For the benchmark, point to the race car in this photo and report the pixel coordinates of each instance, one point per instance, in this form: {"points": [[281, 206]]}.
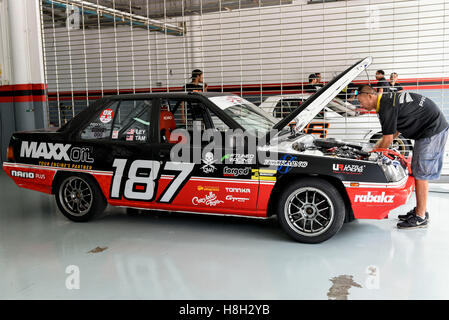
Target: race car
{"points": [[211, 153], [339, 119]]}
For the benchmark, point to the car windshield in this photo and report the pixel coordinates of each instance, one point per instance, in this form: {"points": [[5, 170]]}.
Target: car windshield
{"points": [[249, 116]]}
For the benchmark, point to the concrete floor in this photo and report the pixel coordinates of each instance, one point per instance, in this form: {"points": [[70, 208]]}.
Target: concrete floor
{"points": [[181, 256]]}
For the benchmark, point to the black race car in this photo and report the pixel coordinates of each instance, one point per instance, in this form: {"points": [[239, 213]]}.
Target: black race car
{"points": [[211, 153]]}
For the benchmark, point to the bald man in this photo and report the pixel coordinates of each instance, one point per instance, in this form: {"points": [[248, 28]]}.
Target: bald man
{"points": [[415, 117]]}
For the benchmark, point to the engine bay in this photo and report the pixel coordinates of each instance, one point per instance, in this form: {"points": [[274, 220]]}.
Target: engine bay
{"points": [[395, 166]]}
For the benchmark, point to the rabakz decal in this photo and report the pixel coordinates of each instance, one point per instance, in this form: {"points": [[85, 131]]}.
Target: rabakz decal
{"points": [[55, 151], [369, 198], [107, 115], [348, 168], [234, 199], [209, 200], [235, 172]]}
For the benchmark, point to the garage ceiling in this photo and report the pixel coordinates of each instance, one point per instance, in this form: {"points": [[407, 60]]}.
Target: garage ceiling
{"points": [[55, 14]]}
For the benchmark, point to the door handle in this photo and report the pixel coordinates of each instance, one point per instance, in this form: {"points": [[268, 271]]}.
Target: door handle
{"points": [[164, 153]]}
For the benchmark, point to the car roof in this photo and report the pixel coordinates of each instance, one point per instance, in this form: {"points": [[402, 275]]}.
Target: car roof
{"points": [[179, 94]]}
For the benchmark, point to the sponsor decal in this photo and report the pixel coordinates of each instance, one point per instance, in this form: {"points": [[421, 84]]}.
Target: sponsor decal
{"points": [[107, 115], [208, 188], [263, 174], [208, 163], [348, 168], [238, 158], [208, 200], [234, 199], [239, 190], [114, 134], [369, 198], [286, 163], [235, 172], [27, 175], [55, 151]]}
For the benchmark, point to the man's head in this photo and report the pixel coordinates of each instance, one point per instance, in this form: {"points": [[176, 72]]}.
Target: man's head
{"points": [[318, 76], [394, 77], [197, 75], [380, 74], [313, 78], [367, 97]]}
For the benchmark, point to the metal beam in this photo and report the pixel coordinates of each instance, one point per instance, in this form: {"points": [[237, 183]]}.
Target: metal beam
{"points": [[90, 8]]}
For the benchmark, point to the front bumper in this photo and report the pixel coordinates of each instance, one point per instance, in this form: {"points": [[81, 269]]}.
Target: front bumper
{"points": [[376, 200]]}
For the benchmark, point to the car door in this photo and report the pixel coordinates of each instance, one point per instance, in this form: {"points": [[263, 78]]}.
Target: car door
{"points": [[202, 182], [118, 137]]}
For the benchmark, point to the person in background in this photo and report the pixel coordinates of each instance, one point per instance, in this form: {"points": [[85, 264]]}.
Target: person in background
{"points": [[319, 82], [382, 84], [313, 85], [197, 84], [349, 94], [394, 85]]}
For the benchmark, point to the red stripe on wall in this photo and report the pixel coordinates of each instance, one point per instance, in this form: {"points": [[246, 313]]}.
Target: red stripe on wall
{"points": [[31, 92], [290, 88]]}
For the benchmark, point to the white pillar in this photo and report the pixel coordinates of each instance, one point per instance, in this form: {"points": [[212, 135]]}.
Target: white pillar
{"points": [[26, 64], [25, 42]]}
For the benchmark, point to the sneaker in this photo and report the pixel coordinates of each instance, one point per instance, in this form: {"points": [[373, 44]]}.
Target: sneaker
{"points": [[413, 222], [404, 217]]}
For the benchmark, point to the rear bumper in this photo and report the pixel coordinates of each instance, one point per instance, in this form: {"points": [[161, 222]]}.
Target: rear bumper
{"points": [[30, 177], [375, 200]]}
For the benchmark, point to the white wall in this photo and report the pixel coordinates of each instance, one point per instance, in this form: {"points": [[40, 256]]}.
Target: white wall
{"points": [[268, 45]]}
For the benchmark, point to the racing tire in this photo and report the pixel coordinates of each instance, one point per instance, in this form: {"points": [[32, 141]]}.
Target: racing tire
{"points": [[311, 210], [79, 197]]}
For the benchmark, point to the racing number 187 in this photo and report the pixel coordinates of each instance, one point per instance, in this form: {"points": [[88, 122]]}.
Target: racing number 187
{"points": [[149, 181]]}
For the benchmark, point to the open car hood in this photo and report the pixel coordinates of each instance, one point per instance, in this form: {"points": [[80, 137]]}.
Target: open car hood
{"points": [[313, 105]]}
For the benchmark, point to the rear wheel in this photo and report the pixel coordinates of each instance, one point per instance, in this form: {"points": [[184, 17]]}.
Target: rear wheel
{"points": [[79, 198], [311, 210]]}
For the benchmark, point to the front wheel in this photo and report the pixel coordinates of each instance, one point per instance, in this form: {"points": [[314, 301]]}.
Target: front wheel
{"points": [[79, 198], [311, 210]]}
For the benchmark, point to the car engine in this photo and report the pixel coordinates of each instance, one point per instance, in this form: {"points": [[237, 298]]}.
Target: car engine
{"points": [[395, 166]]}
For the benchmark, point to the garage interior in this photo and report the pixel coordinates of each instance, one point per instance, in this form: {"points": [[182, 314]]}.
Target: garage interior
{"points": [[69, 53]]}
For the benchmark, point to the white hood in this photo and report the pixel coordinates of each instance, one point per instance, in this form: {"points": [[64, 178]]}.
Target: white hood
{"points": [[312, 106]]}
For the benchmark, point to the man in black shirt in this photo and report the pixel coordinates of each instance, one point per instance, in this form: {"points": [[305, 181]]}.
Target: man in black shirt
{"points": [[197, 84], [382, 84], [415, 117], [318, 81], [313, 85], [394, 85]]}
